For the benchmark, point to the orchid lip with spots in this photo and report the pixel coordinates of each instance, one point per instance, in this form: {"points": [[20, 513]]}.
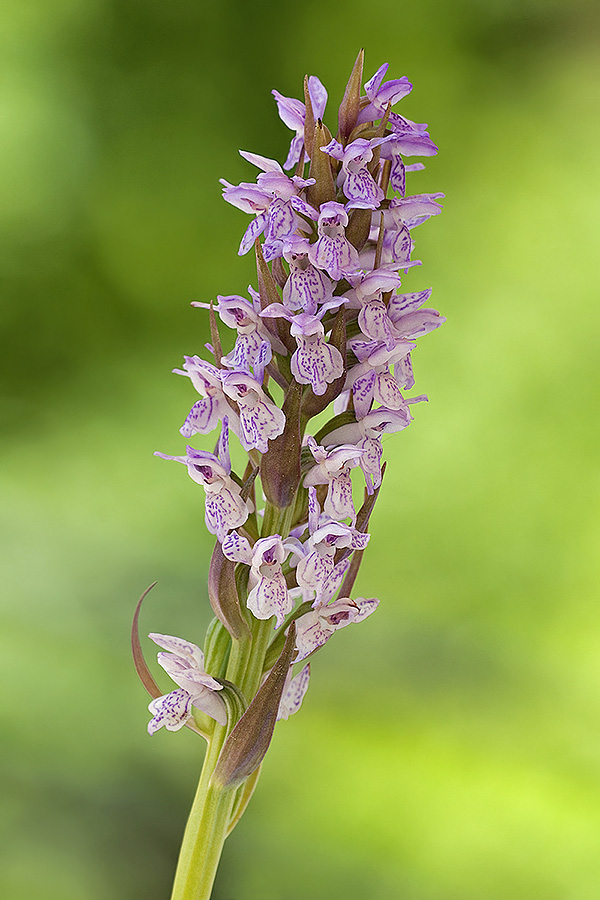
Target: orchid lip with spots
{"points": [[308, 374]]}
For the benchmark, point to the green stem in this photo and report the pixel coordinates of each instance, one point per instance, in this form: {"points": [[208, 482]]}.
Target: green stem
{"points": [[206, 830]]}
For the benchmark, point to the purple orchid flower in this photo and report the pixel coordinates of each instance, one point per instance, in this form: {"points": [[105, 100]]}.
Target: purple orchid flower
{"points": [[293, 693], [371, 380], [269, 200], [366, 434], [381, 94], [315, 362], [184, 663], [333, 469], [326, 537], [357, 183], [315, 627], [205, 414], [260, 419], [225, 508], [306, 287], [269, 594], [333, 252], [243, 316], [293, 114], [367, 294]]}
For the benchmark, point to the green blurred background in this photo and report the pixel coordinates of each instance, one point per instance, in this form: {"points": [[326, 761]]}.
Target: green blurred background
{"points": [[448, 749]]}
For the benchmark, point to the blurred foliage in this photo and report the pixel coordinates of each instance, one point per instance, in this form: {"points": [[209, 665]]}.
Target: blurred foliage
{"points": [[449, 749]]}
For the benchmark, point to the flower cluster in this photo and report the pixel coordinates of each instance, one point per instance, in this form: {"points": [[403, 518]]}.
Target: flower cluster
{"points": [[328, 326]]}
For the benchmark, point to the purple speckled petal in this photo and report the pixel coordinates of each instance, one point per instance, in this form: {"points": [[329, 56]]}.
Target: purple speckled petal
{"points": [[237, 548], [365, 608], [171, 710], [370, 462], [281, 221], [312, 573], [311, 633], [306, 287], [403, 372], [399, 245], [398, 174], [362, 191], [302, 206], [362, 393], [293, 694], [254, 229], [202, 418], [314, 510], [270, 598], [338, 503], [259, 424], [374, 322], [405, 303], [335, 255], [387, 391], [225, 510], [316, 362], [333, 583]]}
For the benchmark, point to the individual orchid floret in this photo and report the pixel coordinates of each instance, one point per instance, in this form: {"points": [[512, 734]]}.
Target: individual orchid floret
{"points": [[318, 561], [333, 469], [396, 247], [358, 184], [293, 114], [269, 201], [242, 315], [306, 287], [260, 419], [315, 362], [371, 380], [225, 508], [206, 413], [380, 94], [184, 663], [315, 627], [269, 594], [333, 252], [406, 140], [367, 294], [409, 320], [412, 211], [366, 433], [293, 693]]}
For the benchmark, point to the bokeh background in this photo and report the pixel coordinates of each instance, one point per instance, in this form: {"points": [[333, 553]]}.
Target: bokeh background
{"points": [[448, 749]]}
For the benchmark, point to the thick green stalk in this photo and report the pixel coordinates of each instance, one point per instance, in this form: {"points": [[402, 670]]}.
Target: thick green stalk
{"points": [[205, 832]]}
